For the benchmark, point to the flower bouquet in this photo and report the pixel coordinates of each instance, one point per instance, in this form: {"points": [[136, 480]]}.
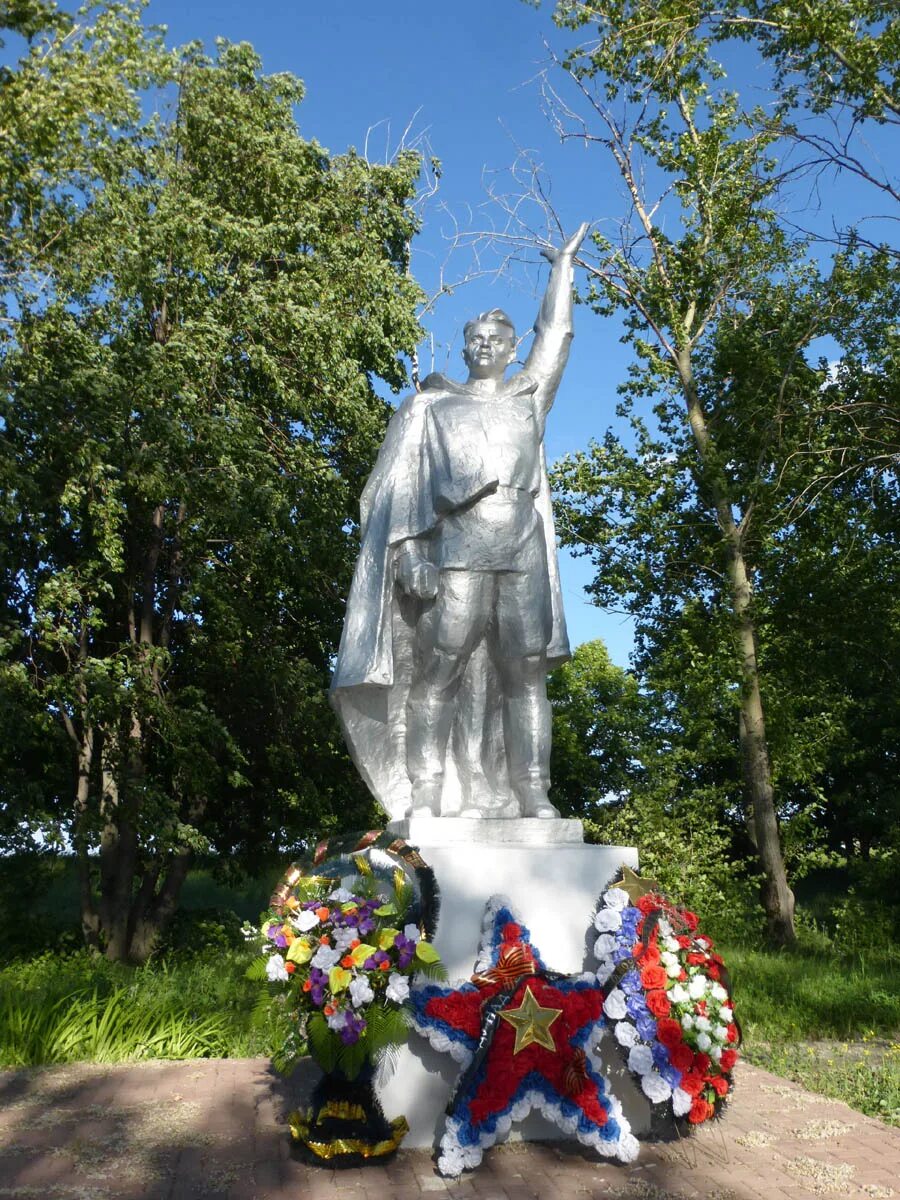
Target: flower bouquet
{"points": [[667, 1002], [341, 952]]}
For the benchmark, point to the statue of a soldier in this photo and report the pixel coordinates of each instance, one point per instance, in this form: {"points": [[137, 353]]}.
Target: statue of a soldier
{"points": [[455, 613]]}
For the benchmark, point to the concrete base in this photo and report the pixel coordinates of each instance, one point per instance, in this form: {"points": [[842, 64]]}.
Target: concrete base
{"points": [[491, 831], [554, 890]]}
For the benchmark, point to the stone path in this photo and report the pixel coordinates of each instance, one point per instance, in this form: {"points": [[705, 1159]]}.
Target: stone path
{"points": [[214, 1130]]}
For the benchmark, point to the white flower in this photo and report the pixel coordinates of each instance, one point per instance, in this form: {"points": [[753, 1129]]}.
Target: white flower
{"points": [[703, 1041], [687, 1021], [614, 1005], [341, 895], [673, 970], [604, 945], [616, 898], [640, 1060], [360, 991], [608, 920], [304, 920], [697, 987], [726, 1015], [718, 992], [412, 932], [681, 1102], [342, 938], [337, 1020], [626, 1034], [276, 971], [604, 969], [655, 1087], [325, 958], [716, 1052], [678, 994], [720, 1033], [668, 959], [665, 930], [397, 988], [703, 941], [703, 1023]]}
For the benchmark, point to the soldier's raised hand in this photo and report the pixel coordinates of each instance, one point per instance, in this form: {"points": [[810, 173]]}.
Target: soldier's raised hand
{"points": [[570, 247]]}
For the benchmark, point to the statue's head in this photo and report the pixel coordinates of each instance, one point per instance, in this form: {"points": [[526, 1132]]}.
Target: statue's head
{"points": [[490, 344]]}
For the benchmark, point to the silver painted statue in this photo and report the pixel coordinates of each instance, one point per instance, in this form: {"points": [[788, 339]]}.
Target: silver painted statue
{"points": [[455, 613]]}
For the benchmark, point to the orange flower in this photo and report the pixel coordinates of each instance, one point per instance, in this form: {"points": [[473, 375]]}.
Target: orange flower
{"points": [[323, 913], [347, 961], [290, 967], [324, 940], [384, 966], [356, 942], [328, 1010], [306, 985]]}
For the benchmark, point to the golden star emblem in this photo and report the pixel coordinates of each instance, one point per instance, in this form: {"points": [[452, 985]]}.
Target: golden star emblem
{"points": [[635, 886], [531, 1023]]}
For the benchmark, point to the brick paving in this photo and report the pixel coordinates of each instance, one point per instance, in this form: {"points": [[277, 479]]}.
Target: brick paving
{"points": [[214, 1130]]}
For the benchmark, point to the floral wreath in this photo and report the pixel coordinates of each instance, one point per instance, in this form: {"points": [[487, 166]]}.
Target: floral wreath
{"points": [[561, 1078], [668, 1000]]}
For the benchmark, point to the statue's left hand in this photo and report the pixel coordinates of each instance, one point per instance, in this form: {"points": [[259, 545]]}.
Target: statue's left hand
{"points": [[569, 248]]}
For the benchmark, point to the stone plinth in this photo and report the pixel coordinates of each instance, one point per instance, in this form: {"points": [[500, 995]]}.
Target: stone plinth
{"points": [[490, 831], [554, 886]]}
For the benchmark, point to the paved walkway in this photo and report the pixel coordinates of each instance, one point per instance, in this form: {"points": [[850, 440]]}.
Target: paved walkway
{"points": [[214, 1130]]}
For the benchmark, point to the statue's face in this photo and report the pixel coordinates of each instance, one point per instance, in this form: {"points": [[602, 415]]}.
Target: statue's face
{"points": [[490, 348]]}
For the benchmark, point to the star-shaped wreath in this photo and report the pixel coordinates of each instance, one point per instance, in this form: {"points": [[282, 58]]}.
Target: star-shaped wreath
{"points": [[524, 1035]]}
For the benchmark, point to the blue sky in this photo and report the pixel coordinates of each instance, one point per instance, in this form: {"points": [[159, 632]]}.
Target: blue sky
{"points": [[458, 75]]}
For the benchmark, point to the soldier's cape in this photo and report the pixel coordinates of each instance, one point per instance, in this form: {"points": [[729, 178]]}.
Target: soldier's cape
{"points": [[374, 665]]}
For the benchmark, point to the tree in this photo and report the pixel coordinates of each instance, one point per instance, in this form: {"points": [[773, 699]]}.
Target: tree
{"points": [[197, 304], [597, 719]]}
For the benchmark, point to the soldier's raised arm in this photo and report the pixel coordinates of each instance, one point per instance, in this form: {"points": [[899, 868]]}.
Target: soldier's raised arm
{"points": [[553, 327]]}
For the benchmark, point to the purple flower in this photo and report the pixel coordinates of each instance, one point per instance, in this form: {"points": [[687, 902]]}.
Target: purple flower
{"points": [[352, 1029], [365, 925], [630, 983], [660, 1055], [280, 941], [636, 1006], [646, 1027]]}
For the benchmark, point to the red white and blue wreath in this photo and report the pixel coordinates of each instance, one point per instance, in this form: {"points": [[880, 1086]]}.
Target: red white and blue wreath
{"points": [[524, 1036], [667, 999]]}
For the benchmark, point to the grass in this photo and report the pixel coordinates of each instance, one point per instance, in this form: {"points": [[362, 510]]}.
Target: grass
{"points": [[76, 1008], [829, 1021]]}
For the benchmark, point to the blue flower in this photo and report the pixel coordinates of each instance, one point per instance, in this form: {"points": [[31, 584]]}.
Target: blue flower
{"points": [[646, 1027], [636, 1006], [630, 983]]}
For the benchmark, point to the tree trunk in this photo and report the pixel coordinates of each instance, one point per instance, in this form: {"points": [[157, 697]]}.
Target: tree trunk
{"points": [[90, 921], [756, 768], [759, 796]]}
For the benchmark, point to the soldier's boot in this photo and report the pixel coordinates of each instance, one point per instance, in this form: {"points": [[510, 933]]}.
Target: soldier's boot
{"points": [[428, 723], [527, 735]]}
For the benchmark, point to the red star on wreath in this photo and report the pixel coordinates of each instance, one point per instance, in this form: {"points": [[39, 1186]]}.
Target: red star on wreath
{"points": [[523, 1034]]}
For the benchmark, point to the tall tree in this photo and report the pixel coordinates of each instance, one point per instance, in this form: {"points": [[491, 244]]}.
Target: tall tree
{"points": [[197, 302]]}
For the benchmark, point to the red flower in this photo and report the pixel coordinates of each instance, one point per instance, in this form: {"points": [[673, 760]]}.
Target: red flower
{"points": [[692, 1083], [347, 961], [690, 919], [653, 976], [682, 1056], [658, 1003], [713, 972], [701, 1062], [668, 1032], [719, 1085], [695, 959], [647, 904], [684, 942], [290, 967], [511, 932], [728, 1059], [682, 978], [701, 1110], [732, 1035]]}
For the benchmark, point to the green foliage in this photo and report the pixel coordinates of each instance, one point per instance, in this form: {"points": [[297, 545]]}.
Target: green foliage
{"points": [[60, 1007], [197, 305]]}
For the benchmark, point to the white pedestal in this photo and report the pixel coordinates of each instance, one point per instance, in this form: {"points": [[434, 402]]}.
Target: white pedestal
{"points": [[554, 889]]}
